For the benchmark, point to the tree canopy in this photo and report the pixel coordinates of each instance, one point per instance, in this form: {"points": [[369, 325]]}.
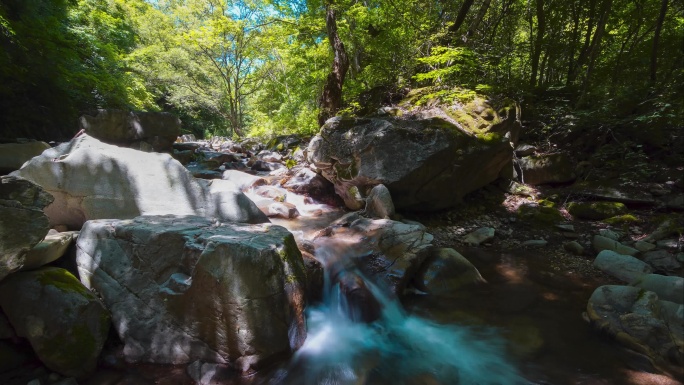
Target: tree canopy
{"points": [[266, 67]]}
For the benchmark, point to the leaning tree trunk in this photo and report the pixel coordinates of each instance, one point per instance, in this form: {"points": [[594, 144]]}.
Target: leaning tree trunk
{"points": [[656, 39], [331, 98]]}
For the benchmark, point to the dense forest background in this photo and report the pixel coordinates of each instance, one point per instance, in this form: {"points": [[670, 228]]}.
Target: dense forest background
{"points": [[267, 67]]}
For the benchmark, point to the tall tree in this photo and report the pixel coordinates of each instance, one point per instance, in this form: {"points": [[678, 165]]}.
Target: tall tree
{"points": [[656, 41], [539, 38], [331, 97], [460, 17]]}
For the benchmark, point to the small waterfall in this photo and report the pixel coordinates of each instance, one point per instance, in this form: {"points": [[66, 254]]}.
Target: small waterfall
{"points": [[360, 335]]}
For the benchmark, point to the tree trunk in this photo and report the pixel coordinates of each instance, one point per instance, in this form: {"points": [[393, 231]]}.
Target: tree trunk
{"points": [[656, 40], [478, 19], [536, 52], [595, 47], [331, 98], [460, 18], [584, 52]]}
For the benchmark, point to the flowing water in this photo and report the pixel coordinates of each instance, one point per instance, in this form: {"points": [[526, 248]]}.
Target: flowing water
{"points": [[395, 348], [523, 326]]}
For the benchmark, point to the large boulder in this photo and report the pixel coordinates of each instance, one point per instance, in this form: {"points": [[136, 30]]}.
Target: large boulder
{"points": [[623, 267], [91, 180], [446, 271], [428, 160], [155, 131], [389, 252], [307, 182], [14, 155], [642, 321], [547, 168], [182, 289], [22, 221], [65, 323]]}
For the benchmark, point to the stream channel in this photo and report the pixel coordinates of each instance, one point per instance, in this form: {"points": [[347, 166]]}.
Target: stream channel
{"points": [[523, 326]]}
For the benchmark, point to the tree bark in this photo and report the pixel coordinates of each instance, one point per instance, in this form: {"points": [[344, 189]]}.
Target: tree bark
{"points": [[478, 19], [595, 46], [536, 52], [460, 18], [331, 98], [584, 52], [656, 40]]}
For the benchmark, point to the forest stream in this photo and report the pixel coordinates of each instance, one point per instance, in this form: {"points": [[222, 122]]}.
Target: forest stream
{"points": [[524, 325]]}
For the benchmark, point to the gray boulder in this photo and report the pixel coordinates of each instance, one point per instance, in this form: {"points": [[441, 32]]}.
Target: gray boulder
{"points": [[22, 221], [641, 321], [601, 243], [668, 288], [662, 261], [428, 162], [623, 267], [14, 155], [91, 180], [154, 131], [65, 323], [307, 182], [444, 272], [389, 252], [479, 236], [182, 289], [379, 203], [243, 180], [544, 169]]}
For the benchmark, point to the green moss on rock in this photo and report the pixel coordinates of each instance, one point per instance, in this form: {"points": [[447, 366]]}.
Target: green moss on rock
{"points": [[596, 210], [540, 215], [622, 220], [64, 281]]}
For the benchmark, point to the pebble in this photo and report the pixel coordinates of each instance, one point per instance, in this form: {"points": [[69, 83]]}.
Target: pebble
{"points": [[535, 243], [574, 248], [568, 228], [479, 236]]}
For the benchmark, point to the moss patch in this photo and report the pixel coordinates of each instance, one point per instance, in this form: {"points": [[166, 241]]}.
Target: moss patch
{"points": [[64, 281], [596, 210], [540, 215], [622, 220]]}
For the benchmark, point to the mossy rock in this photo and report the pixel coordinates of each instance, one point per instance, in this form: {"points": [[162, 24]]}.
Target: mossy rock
{"points": [[596, 210], [540, 215], [624, 219], [65, 323]]}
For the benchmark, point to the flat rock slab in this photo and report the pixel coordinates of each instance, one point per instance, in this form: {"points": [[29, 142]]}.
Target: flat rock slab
{"points": [[93, 180], [182, 289]]}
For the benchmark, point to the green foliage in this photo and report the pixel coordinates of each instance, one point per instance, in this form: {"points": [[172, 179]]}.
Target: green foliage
{"points": [[449, 66], [249, 67]]}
